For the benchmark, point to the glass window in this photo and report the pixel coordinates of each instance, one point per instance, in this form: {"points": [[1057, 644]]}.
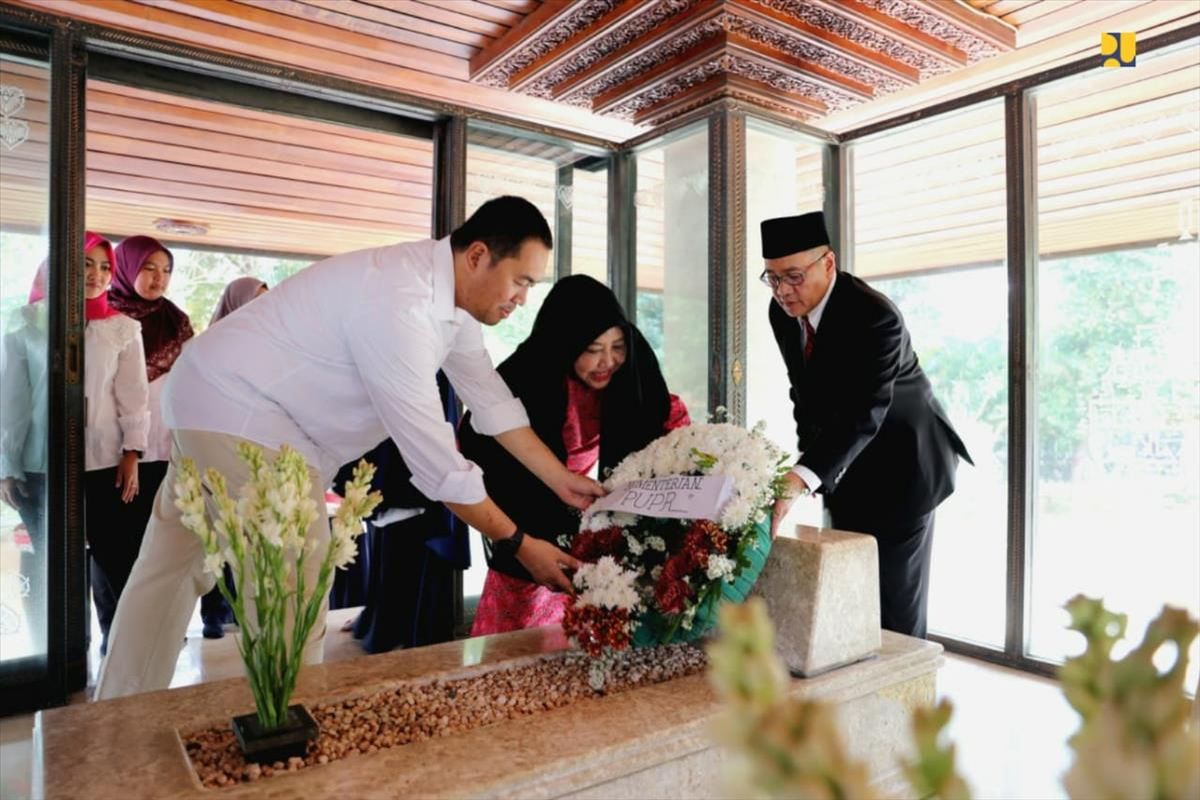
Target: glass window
{"points": [[24, 244], [1117, 381], [589, 215], [773, 152], [929, 232], [672, 260], [201, 276], [569, 184]]}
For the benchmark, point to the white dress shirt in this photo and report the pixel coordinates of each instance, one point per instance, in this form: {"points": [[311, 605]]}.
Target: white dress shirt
{"points": [[114, 389], [814, 318], [343, 355], [158, 442]]}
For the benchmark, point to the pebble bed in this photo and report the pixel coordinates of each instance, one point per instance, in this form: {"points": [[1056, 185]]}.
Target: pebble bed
{"points": [[415, 711]]}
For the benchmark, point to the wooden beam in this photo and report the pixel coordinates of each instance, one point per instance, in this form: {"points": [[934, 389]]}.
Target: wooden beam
{"points": [[893, 28], [618, 58], [1000, 33], [726, 85], [653, 78], [494, 54], [821, 37], [802, 68], [624, 14]]}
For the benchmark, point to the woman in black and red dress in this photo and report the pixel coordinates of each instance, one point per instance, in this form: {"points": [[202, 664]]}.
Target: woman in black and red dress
{"points": [[594, 394]]}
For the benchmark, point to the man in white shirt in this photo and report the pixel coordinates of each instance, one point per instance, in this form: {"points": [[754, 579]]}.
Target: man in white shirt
{"points": [[337, 358]]}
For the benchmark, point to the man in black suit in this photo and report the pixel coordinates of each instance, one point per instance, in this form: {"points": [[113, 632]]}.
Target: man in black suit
{"points": [[873, 439]]}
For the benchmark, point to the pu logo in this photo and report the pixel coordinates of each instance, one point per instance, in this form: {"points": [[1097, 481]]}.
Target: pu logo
{"points": [[1118, 49]]}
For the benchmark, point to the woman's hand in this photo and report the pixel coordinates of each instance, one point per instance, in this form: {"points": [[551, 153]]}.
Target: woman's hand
{"points": [[11, 489], [577, 491], [546, 562], [127, 476]]}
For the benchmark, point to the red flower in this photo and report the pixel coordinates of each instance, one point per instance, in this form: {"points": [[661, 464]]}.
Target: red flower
{"points": [[671, 595], [596, 628], [592, 545]]}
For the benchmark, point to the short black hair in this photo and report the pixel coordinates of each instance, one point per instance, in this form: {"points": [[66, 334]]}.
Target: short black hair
{"points": [[503, 224]]}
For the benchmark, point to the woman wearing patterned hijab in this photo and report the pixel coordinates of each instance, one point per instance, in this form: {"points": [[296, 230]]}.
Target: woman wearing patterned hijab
{"points": [[140, 281], [143, 274]]}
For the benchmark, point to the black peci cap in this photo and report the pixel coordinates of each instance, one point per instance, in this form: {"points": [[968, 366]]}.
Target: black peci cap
{"points": [[783, 236]]}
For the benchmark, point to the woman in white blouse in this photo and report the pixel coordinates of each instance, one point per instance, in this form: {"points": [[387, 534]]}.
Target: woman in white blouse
{"points": [[117, 424], [141, 276]]}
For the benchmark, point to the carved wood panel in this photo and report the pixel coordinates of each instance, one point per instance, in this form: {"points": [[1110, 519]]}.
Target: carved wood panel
{"points": [[649, 60]]}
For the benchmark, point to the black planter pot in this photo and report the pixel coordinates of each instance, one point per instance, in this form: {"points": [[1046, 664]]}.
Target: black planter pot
{"points": [[266, 746]]}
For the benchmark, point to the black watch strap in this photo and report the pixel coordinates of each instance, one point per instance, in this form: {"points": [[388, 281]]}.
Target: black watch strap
{"points": [[509, 547]]}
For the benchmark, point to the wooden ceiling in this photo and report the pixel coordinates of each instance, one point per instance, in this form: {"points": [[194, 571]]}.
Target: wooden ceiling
{"points": [[268, 182], [650, 60], [612, 68]]}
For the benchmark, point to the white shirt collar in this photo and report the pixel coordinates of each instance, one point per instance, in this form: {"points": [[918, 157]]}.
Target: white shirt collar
{"points": [[443, 281], [814, 316]]}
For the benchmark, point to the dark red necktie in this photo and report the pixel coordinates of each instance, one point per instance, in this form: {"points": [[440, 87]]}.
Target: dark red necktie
{"points": [[810, 335]]}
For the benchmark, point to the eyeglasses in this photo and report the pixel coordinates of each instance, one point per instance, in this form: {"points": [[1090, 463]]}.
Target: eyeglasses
{"points": [[793, 278]]}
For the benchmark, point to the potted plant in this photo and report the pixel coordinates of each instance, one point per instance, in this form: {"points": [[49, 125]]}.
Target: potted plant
{"points": [[262, 536]]}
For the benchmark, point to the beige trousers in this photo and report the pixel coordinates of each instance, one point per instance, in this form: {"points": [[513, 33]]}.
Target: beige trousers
{"points": [[168, 576]]}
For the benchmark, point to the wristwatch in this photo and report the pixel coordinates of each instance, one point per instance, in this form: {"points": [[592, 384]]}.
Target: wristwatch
{"points": [[508, 548]]}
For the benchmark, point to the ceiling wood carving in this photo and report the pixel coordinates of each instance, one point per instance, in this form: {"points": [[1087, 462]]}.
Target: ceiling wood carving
{"points": [[646, 61]]}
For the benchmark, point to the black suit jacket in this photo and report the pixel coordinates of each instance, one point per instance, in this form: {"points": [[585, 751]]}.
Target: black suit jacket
{"points": [[867, 421]]}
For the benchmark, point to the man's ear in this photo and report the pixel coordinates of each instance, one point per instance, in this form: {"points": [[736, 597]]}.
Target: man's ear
{"points": [[477, 255]]}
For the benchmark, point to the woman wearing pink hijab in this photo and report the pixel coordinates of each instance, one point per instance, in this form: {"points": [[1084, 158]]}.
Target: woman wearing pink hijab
{"points": [[117, 424]]}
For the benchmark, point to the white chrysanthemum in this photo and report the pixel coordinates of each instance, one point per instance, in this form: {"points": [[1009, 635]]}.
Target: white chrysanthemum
{"points": [[720, 566], [745, 456], [656, 543], [606, 584], [635, 547]]}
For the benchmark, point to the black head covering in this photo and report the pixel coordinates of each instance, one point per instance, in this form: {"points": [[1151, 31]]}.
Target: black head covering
{"points": [[636, 404], [783, 236]]}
